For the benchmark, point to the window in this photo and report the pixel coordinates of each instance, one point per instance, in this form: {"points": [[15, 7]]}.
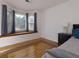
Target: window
{"points": [[20, 22], [13, 22], [31, 23]]}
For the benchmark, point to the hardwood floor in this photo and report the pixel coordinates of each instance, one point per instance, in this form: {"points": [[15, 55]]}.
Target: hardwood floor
{"points": [[41, 47], [30, 49]]}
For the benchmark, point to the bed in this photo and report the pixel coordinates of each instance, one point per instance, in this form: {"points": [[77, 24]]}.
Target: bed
{"points": [[70, 49]]}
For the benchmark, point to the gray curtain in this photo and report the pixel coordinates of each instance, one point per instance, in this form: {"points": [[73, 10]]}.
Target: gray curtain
{"points": [[35, 22], [13, 25], [27, 23], [4, 21]]}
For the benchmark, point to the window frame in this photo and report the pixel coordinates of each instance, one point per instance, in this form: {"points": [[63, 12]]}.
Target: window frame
{"points": [[31, 22]]}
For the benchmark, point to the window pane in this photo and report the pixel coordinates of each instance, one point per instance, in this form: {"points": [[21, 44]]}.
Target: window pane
{"points": [[9, 21], [31, 23], [20, 22]]}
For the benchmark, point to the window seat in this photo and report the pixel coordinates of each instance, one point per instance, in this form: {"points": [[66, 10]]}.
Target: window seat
{"points": [[17, 33]]}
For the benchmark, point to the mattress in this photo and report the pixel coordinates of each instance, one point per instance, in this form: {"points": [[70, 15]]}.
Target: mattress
{"points": [[69, 49], [72, 45]]}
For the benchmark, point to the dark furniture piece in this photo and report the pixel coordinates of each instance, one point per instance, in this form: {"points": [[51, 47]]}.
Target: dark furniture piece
{"points": [[62, 38]]}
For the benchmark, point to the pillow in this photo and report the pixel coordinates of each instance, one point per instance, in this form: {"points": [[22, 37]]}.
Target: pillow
{"points": [[76, 33]]}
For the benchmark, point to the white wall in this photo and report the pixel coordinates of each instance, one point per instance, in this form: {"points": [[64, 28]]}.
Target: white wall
{"points": [[56, 17], [20, 38]]}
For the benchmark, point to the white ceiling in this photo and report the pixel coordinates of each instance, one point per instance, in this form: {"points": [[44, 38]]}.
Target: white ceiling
{"points": [[34, 4]]}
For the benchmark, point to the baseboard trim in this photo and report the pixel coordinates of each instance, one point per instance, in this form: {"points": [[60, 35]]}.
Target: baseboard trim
{"points": [[49, 41]]}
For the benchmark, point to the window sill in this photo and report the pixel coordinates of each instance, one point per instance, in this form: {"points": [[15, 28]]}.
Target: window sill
{"points": [[16, 34]]}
